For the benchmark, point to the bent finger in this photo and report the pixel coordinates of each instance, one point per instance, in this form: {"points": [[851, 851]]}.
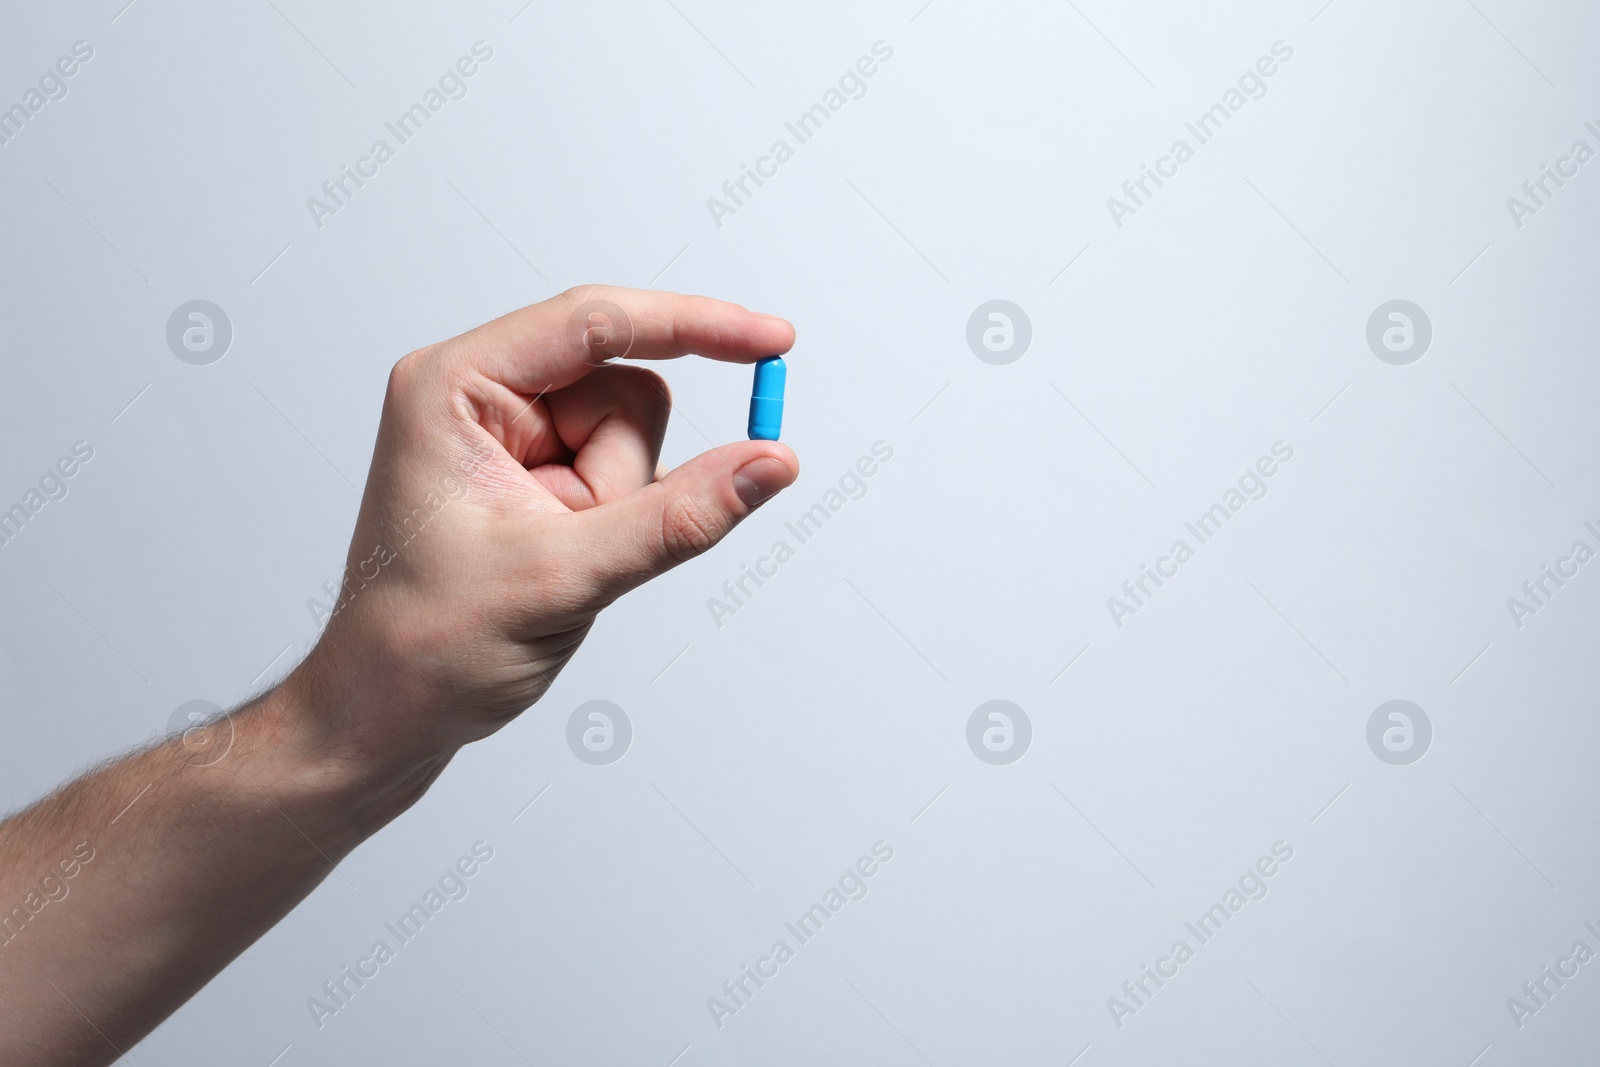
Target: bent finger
{"points": [[629, 541]]}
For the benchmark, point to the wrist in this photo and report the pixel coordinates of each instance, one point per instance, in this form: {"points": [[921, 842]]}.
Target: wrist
{"points": [[303, 747]]}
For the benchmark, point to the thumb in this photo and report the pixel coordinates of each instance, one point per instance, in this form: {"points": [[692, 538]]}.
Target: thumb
{"points": [[627, 542]]}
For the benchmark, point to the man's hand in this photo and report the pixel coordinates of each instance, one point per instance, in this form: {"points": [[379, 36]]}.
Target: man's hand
{"points": [[514, 492]]}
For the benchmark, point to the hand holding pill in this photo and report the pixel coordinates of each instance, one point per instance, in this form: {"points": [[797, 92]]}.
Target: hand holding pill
{"points": [[534, 457]]}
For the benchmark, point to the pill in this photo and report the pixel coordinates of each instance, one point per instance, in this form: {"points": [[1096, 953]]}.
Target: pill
{"points": [[766, 399]]}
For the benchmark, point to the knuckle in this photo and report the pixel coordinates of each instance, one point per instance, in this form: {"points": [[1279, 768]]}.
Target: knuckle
{"points": [[403, 372], [600, 329], [408, 370], [689, 527], [582, 294]]}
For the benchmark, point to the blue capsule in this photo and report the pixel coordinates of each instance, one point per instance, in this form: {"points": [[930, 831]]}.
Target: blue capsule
{"points": [[766, 399]]}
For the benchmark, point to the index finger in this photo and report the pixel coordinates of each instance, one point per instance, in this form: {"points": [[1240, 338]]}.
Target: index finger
{"points": [[554, 343]]}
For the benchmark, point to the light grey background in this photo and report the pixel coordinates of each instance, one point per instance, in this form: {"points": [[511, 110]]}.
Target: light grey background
{"points": [[831, 711]]}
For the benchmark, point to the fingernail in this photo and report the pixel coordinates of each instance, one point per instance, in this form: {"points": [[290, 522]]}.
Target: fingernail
{"points": [[761, 479]]}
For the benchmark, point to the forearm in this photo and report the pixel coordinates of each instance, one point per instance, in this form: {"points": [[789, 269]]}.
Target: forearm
{"points": [[125, 892]]}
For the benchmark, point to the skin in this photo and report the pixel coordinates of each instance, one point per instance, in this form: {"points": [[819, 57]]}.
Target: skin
{"points": [[515, 492]]}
